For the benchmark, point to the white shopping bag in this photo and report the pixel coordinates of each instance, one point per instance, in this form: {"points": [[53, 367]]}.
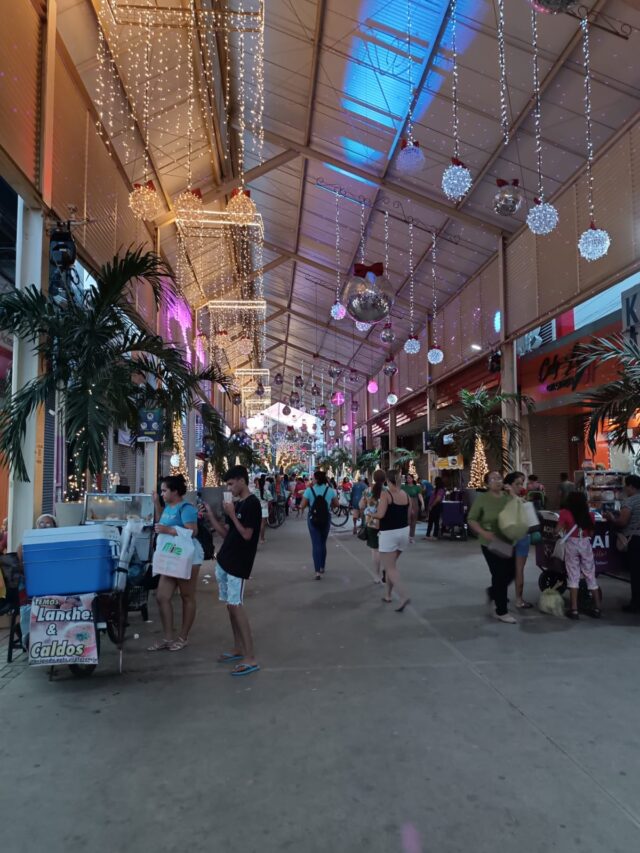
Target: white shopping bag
{"points": [[174, 554]]}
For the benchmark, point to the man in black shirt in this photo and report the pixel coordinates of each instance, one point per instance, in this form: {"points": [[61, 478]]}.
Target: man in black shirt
{"points": [[240, 532]]}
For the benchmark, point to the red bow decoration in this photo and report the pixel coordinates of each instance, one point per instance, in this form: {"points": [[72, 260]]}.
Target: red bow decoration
{"points": [[361, 270], [149, 185]]}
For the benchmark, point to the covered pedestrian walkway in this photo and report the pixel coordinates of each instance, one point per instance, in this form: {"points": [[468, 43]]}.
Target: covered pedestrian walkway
{"points": [[438, 729]]}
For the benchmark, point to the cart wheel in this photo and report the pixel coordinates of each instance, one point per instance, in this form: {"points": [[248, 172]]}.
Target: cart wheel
{"points": [[117, 619], [82, 670]]}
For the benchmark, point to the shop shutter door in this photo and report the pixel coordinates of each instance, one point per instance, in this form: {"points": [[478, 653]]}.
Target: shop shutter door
{"points": [[124, 458], [549, 437], [48, 472], [20, 61]]}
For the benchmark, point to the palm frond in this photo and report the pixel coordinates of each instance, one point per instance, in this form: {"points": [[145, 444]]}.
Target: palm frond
{"points": [[14, 419]]}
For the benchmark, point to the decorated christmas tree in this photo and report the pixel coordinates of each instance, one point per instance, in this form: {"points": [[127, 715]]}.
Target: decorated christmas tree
{"points": [[479, 467], [179, 457]]}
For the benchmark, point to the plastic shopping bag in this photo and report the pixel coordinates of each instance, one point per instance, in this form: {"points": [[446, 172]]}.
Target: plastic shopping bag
{"points": [[513, 521], [174, 554]]}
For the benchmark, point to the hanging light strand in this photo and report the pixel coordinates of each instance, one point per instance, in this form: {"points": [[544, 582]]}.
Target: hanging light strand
{"points": [[454, 79], [386, 244], [502, 61], [537, 110], [338, 254], [411, 281], [410, 58], [362, 240], [586, 52], [434, 292]]}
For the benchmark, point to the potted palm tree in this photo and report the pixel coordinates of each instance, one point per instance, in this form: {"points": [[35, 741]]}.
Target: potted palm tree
{"points": [[368, 461], [482, 428], [101, 362], [403, 458], [615, 404]]}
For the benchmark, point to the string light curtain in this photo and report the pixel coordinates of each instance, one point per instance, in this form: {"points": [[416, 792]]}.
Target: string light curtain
{"points": [[502, 64], [594, 242], [338, 311], [412, 344], [411, 158], [435, 354], [456, 179], [542, 217]]}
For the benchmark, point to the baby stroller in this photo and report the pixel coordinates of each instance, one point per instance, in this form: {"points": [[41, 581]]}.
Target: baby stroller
{"points": [[553, 574], [454, 519]]}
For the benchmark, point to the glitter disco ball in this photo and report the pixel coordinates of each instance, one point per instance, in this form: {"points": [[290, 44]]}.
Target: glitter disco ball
{"points": [[315, 391], [410, 160], [278, 379], [294, 399], [387, 335], [332, 423], [372, 386], [552, 7], [337, 398], [390, 367], [334, 371], [363, 327], [188, 205], [594, 244], [508, 199], [144, 201], [298, 382], [245, 346], [456, 181], [286, 410], [353, 378], [369, 299], [241, 207], [392, 399], [355, 405], [412, 345], [338, 311], [542, 218], [259, 390], [435, 355]]}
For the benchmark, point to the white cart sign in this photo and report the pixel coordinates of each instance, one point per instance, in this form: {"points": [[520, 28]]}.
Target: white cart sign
{"points": [[62, 630]]}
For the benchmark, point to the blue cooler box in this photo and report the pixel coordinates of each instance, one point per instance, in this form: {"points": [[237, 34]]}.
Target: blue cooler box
{"points": [[64, 560]]}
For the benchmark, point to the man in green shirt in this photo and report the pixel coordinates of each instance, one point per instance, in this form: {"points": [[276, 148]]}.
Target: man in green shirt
{"points": [[483, 520]]}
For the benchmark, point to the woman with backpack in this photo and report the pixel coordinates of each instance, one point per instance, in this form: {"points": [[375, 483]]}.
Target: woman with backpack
{"points": [[320, 498], [576, 524], [176, 513]]}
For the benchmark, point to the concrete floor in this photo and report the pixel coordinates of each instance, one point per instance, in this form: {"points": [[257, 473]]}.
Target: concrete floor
{"points": [[434, 731]]}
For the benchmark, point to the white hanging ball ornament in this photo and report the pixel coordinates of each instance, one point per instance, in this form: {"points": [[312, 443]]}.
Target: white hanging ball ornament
{"points": [[332, 432], [338, 311], [410, 160], [363, 327], [392, 399], [456, 180], [435, 355], [412, 345], [594, 243], [332, 423], [542, 218]]}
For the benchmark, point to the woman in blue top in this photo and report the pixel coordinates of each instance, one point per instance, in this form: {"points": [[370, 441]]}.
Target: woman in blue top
{"points": [[176, 513], [319, 532]]}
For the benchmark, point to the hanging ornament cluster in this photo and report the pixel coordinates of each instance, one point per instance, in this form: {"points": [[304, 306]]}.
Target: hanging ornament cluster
{"points": [[435, 354], [542, 217], [241, 207], [412, 344], [508, 200], [338, 311], [411, 159], [188, 204], [366, 298], [456, 179], [144, 201], [594, 242]]}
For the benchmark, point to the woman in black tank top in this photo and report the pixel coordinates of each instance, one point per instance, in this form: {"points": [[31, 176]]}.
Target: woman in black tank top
{"points": [[393, 512]]}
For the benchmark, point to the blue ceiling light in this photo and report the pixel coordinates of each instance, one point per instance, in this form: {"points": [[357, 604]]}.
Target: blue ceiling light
{"points": [[497, 322]]}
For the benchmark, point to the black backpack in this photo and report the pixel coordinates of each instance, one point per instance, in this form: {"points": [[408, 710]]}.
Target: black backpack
{"points": [[319, 512]]}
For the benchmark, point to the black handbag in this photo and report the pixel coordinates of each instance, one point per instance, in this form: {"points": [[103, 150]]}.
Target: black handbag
{"points": [[362, 533]]}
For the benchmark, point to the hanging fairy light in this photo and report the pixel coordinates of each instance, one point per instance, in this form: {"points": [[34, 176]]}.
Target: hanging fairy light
{"points": [[144, 200], [241, 207], [412, 344], [338, 311], [245, 345], [502, 63], [594, 242], [435, 354], [456, 179], [542, 217], [411, 158], [188, 204]]}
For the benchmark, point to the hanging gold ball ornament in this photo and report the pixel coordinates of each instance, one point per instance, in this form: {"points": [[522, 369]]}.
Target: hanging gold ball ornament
{"points": [[508, 200], [367, 296], [241, 207], [144, 201], [188, 204]]}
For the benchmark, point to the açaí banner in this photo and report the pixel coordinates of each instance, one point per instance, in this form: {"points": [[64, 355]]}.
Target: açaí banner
{"points": [[62, 630]]}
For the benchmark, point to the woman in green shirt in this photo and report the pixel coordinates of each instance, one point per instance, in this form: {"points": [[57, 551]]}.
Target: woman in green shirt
{"points": [[414, 491], [483, 520]]}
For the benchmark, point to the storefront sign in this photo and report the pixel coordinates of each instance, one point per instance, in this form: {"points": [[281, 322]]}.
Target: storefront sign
{"points": [[62, 630], [151, 425], [631, 313], [450, 463], [554, 374]]}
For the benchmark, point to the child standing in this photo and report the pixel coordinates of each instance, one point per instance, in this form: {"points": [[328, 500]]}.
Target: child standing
{"points": [[577, 523]]}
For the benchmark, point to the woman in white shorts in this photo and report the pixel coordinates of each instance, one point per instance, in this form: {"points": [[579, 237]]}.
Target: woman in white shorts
{"points": [[393, 512]]}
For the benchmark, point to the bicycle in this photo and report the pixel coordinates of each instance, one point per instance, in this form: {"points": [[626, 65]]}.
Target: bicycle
{"points": [[276, 515], [340, 515]]}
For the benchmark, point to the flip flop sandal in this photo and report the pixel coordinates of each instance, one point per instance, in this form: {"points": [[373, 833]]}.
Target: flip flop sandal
{"points": [[244, 669], [228, 657], [177, 645], [159, 646]]}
